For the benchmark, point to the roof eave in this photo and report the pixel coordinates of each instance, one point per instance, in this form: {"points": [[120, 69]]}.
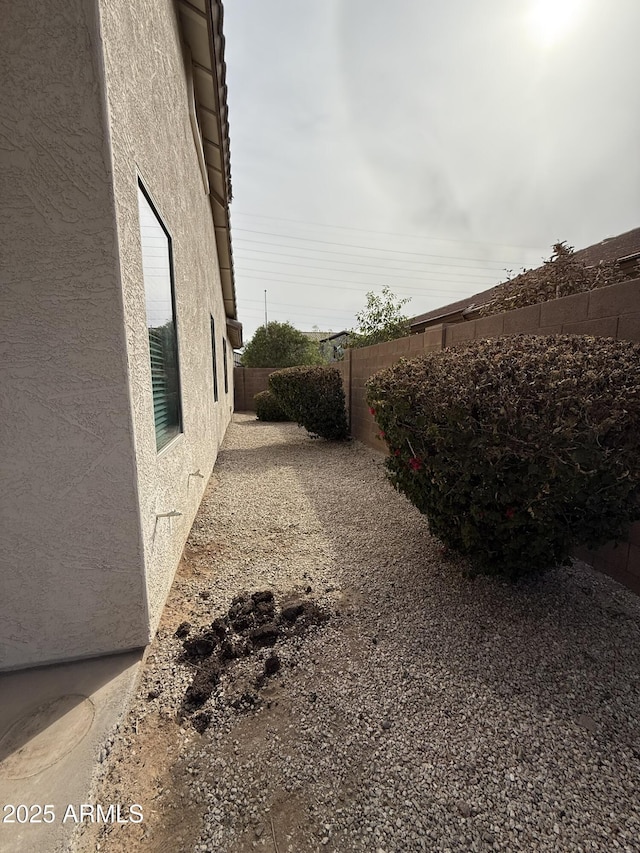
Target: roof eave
{"points": [[201, 28]]}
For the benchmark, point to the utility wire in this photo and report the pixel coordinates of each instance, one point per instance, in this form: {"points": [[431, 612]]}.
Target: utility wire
{"points": [[388, 233], [388, 271], [359, 263], [355, 246], [337, 287]]}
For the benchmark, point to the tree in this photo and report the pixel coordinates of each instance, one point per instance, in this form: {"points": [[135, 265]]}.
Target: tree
{"points": [[280, 345], [381, 320]]}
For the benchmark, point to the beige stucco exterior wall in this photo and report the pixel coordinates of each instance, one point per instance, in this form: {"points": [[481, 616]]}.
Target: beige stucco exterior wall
{"points": [[71, 558], [151, 136], [94, 94]]}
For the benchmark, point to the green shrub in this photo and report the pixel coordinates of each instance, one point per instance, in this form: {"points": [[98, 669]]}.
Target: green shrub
{"points": [[517, 449], [314, 398], [268, 408]]}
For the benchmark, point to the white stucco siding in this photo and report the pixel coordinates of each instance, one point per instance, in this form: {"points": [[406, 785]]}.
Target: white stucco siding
{"points": [[152, 138], [71, 559]]}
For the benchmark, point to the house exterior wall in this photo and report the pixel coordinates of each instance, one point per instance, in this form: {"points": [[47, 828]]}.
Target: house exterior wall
{"points": [[152, 137], [71, 558], [95, 95], [608, 312]]}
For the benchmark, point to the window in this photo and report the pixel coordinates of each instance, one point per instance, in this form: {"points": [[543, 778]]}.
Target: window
{"points": [[215, 363], [157, 267], [224, 364]]}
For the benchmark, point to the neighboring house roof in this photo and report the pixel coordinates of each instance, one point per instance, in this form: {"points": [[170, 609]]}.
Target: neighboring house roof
{"points": [[624, 248], [201, 25], [343, 334], [316, 336]]}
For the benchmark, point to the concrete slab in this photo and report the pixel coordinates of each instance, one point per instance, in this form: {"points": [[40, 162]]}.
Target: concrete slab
{"points": [[53, 722]]}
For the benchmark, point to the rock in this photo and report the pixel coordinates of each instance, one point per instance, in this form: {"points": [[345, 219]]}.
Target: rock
{"points": [[230, 650], [291, 611], [242, 622], [463, 808], [201, 646], [264, 635], [588, 723], [488, 837], [202, 721], [182, 630], [219, 628], [262, 596], [153, 694], [386, 725], [272, 664]]}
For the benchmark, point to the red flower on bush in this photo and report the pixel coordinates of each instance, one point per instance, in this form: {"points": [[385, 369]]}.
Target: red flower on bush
{"points": [[381, 434], [396, 452], [372, 411], [415, 464], [510, 512]]}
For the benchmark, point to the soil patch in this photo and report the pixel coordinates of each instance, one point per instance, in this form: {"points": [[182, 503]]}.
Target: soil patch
{"points": [[253, 621]]}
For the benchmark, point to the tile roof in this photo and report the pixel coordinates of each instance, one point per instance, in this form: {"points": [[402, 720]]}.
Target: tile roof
{"points": [[610, 249]]}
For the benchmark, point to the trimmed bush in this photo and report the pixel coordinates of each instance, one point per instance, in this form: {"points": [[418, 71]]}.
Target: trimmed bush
{"points": [[314, 398], [268, 408], [517, 449]]}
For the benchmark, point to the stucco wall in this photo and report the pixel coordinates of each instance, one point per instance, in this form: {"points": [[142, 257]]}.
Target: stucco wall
{"points": [[151, 136], [71, 558]]}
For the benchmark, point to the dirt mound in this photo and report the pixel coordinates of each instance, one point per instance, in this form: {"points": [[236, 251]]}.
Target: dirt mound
{"points": [[253, 621]]}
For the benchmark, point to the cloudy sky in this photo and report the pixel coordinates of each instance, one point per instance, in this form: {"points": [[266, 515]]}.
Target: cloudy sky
{"points": [[427, 145]]}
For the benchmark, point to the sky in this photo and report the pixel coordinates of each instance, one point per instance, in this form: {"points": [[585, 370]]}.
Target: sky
{"points": [[433, 146]]}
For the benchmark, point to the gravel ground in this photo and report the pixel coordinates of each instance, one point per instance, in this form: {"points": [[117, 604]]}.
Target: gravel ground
{"points": [[429, 713]]}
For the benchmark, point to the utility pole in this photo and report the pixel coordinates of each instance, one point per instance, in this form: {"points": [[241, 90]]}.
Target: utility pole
{"points": [[265, 309]]}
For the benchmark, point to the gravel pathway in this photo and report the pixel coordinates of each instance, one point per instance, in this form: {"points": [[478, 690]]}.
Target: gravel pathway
{"points": [[429, 713]]}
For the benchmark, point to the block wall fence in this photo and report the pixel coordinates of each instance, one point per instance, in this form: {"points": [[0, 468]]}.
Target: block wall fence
{"points": [[611, 312]]}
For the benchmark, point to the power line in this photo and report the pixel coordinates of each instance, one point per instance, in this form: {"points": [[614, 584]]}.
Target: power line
{"points": [[356, 263], [388, 271], [337, 287], [355, 246], [387, 233], [340, 311]]}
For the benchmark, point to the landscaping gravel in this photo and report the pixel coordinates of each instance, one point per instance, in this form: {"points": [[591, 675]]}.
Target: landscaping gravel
{"points": [[428, 712]]}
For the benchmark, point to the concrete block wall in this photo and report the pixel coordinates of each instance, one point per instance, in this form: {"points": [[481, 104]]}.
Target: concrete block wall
{"points": [[247, 382], [607, 312]]}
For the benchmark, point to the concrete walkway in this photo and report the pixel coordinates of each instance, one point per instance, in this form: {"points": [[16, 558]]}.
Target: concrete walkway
{"points": [[53, 723]]}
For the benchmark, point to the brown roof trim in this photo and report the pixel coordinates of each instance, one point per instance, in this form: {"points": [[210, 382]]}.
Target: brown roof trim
{"points": [[201, 28]]}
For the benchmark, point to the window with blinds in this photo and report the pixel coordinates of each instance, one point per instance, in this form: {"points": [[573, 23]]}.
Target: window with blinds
{"points": [[157, 267], [224, 365]]}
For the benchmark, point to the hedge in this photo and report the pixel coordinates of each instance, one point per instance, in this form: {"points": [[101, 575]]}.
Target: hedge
{"points": [[314, 398], [268, 408], [517, 449]]}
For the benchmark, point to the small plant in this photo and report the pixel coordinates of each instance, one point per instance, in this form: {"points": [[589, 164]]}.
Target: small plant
{"points": [[517, 449], [314, 398], [382, 320], [268, 408]]}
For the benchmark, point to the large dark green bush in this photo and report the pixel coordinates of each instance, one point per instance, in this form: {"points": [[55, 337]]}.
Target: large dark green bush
{"points": [[268, 407], [314, 398], [517, 449]]}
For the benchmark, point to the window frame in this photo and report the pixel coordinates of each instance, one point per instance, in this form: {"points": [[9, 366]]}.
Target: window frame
{"points": [[214, 359], [177, 428], [225, 365]]}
